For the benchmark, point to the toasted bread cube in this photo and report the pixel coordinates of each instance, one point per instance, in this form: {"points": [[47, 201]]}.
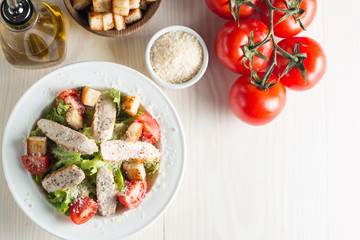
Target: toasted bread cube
{"points": [[36, 146], [89, 96], [130, 105], [108, 21], [95, 21], [119, 22], [134, 16], [74, 119], [134, 132], [121, 7], [134, 171], [102, 5], [143, 5], [80, 4], [134, 4]]}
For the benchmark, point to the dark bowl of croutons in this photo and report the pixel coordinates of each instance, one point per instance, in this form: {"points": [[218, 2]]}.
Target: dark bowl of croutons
{"points": [[112, 18]]}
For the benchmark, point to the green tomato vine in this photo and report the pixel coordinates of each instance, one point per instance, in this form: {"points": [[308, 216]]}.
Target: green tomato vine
{"points": [[250, 50]]}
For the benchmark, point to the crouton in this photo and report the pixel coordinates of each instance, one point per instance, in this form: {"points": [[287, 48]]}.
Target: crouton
{"points": [[134, 16], [121, 7], [134, 4], [119, 22], [119, 150], [106, 191], [36, 146], [74, 119], [108, 21], [130, 105], [64, 178], [104, 119], [67, 138], [143, 5], [134, 132], [80, 4], [95, 21], [134, 171], [102, 5], [89, 96]]}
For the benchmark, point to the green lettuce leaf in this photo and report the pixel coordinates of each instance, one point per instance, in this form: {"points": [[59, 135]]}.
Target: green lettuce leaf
{"points": [[128, 120], [115, 95], [63, 199], [119, 179], [151, 167], [37, 132], [91, 166], [87, 131], [58, 113], [119, 130], [64, 157]]}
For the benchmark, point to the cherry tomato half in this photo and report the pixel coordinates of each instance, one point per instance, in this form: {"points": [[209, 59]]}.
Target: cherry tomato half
{"points": [[72, 97], [255, 106], [315, 64], [133, 193], [289, 27], [151, 131], [221, 8], [36, 164], [232, 37], [82, 210]]}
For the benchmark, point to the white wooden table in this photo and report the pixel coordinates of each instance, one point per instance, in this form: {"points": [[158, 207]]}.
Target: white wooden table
{"points": [[297, 178]]}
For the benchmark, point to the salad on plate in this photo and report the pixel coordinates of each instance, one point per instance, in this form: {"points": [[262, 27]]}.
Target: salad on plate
{"points": [[94, 152]]}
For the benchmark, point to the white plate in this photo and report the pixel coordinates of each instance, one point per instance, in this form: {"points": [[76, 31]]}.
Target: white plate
{"points": [[97, 75]]}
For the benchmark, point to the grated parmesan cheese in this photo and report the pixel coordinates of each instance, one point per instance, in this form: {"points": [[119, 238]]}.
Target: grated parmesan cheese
{"points": [[176, 57]]}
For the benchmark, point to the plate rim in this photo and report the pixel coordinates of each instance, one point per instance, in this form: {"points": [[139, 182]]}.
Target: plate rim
{"points": [[116, 65]]}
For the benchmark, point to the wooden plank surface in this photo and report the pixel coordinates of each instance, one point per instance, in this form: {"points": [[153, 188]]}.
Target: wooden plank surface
{"points": [[296, 178]]}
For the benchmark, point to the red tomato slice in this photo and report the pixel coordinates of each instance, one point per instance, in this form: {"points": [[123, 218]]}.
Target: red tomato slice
{"points": [[72, 97], [151, 132], [83, 210], [69, 92], [35, 164], [133, 193]]}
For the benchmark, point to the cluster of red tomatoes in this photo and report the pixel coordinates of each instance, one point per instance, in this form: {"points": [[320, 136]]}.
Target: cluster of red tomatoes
{"points": [[251, 103]]}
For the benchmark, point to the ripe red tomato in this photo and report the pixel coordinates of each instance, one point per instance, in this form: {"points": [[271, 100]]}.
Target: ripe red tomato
{"points": [[255, 106], [82, 210], [289, 27], [232, 37], [151, 129], [72, 97], [133, 193], [221, 8], [315, 64], [36, 164]]}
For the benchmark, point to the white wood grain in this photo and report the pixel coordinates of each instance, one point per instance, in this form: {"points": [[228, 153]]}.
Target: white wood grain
{"points": [[294, 179]]}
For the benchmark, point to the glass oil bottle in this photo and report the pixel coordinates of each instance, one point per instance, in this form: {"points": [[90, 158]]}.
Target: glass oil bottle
{"points": [[32, 33]]}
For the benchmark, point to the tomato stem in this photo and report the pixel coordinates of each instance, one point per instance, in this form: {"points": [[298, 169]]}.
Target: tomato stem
{"points": [[250, 50]]}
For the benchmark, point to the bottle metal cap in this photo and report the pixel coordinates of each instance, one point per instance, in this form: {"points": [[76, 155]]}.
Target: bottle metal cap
{"points": [[19, 14]]}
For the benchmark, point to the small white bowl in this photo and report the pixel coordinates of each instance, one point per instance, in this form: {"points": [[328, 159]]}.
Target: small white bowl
{"points": [[192, 81]]}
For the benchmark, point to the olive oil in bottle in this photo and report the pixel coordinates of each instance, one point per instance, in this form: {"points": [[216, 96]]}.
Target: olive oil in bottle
{"points": [[32, 34]]}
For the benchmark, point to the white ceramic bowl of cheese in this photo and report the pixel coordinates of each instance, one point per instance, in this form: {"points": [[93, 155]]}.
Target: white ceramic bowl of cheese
{"points": [[98, 75], [199, 74]]}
